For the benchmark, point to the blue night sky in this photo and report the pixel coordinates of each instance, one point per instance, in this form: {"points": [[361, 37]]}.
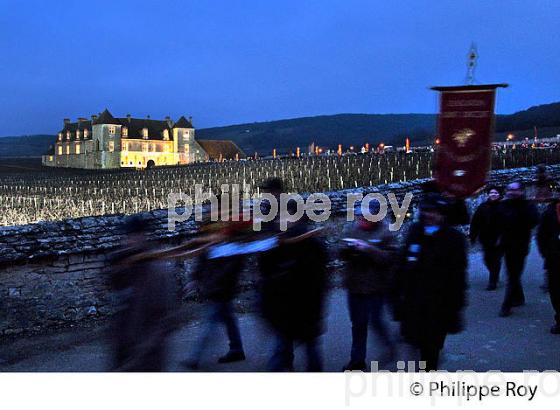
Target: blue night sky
{"points": [[227, 62]]}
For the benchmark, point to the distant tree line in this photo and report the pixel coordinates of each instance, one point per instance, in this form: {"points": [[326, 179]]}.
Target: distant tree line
{"points": [[325, 130]]}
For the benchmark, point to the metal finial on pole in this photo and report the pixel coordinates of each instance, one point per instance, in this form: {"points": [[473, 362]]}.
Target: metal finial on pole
{"points": [[471, 64]]}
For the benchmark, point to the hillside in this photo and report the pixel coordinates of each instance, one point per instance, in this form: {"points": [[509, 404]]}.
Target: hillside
{"points": [[25, 145], [546, 115], [327, 130], [356, 129]]}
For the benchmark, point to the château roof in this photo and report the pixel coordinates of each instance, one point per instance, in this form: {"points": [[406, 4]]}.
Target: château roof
{"points": [[155, 128], [105, 118], [183, 123], [227, 149], [135, 126]]}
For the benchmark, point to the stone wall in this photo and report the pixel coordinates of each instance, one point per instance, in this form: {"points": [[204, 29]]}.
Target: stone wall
{"points": [[53, 273]]}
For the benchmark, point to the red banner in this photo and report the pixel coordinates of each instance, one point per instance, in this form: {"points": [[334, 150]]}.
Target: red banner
{"points": [[465, 128]]}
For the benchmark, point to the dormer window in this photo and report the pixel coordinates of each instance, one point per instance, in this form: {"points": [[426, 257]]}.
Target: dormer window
{"points": [[112, 130], [85, 134], [60, 136], [78, 134], [125, 132], [67, 135], [145, 133], [166, 135]]}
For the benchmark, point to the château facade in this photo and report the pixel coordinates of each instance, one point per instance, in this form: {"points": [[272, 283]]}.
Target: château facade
{"points": [[106, 142]]}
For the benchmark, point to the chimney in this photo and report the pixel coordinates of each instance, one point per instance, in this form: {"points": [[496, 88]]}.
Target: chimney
{"points": [[190, 119], [169, 121], [148, 116], [93, 117], [66, 121], [128, 117]]}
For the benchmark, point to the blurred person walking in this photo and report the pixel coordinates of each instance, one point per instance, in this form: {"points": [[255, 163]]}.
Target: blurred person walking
{"points": [[292, 294], [370, 254], [518, 217], [146, 303], [216, 276], [544, 186], [548, 240], [485, 228], [544, 192], [431, 292]]}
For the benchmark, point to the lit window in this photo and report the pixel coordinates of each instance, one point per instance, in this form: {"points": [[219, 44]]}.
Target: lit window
{"points": [[78, 134], [60, 150], [112, 129], [124, 146], [145, 133], [77, 148], [111, 146], [67, 135], [166, 135], [145, 147], [125, 132], [68, 149], [85, 134], [60, 136]]}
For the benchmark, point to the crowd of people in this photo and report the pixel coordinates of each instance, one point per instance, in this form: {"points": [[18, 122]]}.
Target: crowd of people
{"points": [[422, 281]]}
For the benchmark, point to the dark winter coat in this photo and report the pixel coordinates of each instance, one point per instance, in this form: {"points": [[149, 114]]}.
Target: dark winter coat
{"points": [[147, 302], [548, 237], [485, 224], [432, 285], [457, 212], [218, 278], [369, 273], [293, 288], [518, 217]]}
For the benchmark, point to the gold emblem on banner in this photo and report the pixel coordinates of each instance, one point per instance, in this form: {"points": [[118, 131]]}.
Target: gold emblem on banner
{"points": [[463, 136]]}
